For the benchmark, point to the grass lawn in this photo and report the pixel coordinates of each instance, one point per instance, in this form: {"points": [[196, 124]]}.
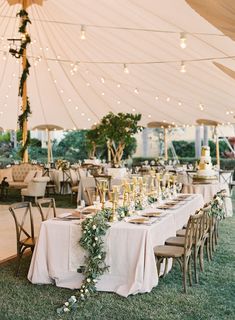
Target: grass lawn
{"points": [[213, 298], [62, 200]]}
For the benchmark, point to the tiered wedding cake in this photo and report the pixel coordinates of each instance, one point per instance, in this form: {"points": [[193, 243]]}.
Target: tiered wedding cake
{"points": [[205, 170]]}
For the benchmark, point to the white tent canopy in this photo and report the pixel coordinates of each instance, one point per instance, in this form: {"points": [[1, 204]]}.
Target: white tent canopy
{"points": [[74, 82]]}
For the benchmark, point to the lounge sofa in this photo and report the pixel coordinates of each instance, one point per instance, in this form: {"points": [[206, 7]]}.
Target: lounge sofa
{"points": [[18, 176]]}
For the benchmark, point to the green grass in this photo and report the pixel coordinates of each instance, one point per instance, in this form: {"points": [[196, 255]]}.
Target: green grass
{"points": [[213, 298], [62, 200]]}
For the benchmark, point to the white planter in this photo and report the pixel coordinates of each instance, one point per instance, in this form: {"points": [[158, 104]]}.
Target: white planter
{"points": [[117, 173]]}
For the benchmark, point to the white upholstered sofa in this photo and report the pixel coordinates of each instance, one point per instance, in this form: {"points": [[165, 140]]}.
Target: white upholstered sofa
{"points": [[18, 176]]}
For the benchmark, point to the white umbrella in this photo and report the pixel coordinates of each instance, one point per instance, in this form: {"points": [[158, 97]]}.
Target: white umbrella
{"points": [[165, 126], [215, 124], [48, 128]]}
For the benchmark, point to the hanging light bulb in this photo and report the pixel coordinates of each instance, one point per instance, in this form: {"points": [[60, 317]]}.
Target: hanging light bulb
{"points": [[125, 69], [183, 43], [182, 67], [83, 32]]}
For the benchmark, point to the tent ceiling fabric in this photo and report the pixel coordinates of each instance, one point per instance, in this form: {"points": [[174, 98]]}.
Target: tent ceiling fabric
{"points": [[74, 82], [228, 71], [220, 13]]}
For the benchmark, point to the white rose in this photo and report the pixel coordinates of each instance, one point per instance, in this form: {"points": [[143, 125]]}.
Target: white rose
{"points": [[96, 239], [81, 291], [73, 298], [88, 280], [86, 290], [66, 309], [93, 244], [82, 296], [66, 304], [99, 256], [84, 231], [94, 227]]}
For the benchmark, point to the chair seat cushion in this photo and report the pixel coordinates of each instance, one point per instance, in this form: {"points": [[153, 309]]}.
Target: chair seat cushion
{"points": [[74, 189], [175, 241], [181, 233], [168, 251], [29, 242]]}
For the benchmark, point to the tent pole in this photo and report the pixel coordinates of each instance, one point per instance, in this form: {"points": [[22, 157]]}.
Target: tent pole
{"points": [[48, 147], [165, 144], [24, 100], [217, 148]]}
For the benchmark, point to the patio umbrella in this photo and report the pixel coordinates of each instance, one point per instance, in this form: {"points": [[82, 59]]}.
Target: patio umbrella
{"points": [[215, 124], [48, 128], [165, 126]]}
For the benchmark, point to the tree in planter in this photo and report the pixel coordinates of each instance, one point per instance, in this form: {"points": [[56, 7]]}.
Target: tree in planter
{"points": [[116, 130]]}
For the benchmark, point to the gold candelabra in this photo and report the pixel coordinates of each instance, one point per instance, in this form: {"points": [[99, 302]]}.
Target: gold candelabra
{"points": [[114, 199], [103, 189]]}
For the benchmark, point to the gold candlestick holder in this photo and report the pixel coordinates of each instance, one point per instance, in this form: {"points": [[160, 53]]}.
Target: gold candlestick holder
{"points": [[103, 189], [114, 200]]}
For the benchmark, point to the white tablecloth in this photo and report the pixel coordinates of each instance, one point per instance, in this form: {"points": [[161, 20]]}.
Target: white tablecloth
{"points": [[208, 191], [129, 252]]}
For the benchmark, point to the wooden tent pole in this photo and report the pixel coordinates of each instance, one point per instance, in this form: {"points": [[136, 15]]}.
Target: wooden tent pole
{"points": [[217, 148], [165, 144], [24, 99], [48, 146]]}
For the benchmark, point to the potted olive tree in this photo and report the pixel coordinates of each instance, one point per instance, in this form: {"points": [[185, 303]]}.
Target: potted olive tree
{"points": [[116, 131]]}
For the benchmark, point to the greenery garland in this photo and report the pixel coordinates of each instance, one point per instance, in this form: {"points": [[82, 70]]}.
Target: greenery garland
{"points": [[93, 230], [25, 40]]}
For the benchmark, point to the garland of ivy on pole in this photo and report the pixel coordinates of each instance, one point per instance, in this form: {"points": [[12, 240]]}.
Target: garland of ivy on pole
{"points": [[18, 53]]}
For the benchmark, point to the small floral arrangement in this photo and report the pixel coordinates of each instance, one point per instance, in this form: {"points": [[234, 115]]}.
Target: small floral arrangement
{"points": [[138, 204], [217, 206], [62, 164], [122, 212], [152, 199]]}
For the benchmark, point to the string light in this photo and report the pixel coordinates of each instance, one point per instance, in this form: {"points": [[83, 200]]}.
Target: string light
{"points": [[125, 69], [183, 40], [179, 103], [182, 67], [156, 98], [201, 107], [83, 32], [136, 91], [168, 99], [102, 80]]}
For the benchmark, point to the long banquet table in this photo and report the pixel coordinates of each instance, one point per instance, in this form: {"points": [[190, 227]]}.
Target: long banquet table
{"points": [[129, 250]]}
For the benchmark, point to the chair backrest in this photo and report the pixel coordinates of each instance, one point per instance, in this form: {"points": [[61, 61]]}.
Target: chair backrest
{"points": [[226, 176], [194, 232], [47, 208], [37, 186], [21, 212], [99, 178], [91, 195], [206, 219]]}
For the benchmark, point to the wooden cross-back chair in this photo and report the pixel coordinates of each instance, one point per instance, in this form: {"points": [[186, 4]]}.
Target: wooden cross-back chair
{"points": [[24, 233], [47, 208], [91, 194], [182, 254], [197, 242]]}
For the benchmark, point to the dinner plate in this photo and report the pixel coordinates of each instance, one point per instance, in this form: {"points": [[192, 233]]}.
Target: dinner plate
{"points": [[139, 220], [152, 214]]}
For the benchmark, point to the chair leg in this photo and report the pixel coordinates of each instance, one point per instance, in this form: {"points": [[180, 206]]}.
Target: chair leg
{"points": [[159, 262], [190, 271], [201, 257], [195, 255], [208, 249], [185, 265]]}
